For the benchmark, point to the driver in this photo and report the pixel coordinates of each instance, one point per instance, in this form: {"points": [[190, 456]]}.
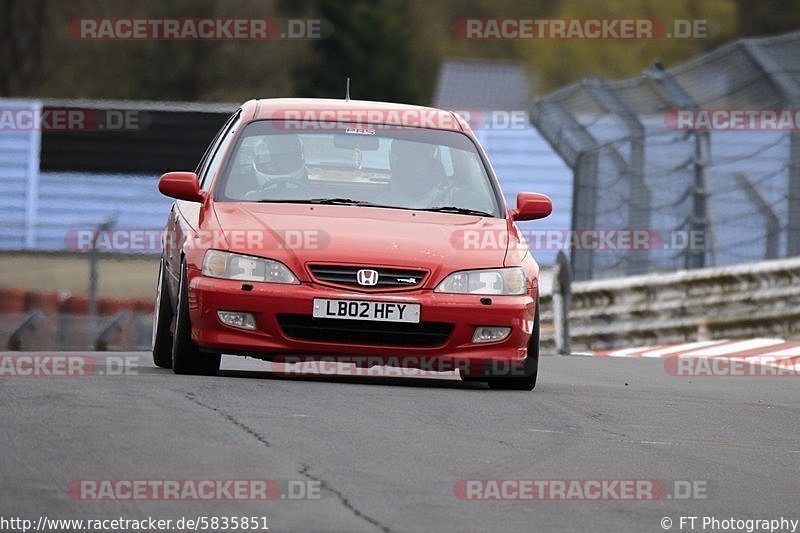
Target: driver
{"points": [[279, 158], [417, 176]]}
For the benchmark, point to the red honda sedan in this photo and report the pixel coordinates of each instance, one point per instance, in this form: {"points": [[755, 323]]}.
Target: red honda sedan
{"points": [[360, 232]]}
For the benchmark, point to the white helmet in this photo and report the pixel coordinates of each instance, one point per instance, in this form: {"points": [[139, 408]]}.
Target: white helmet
{"points": [[279, 157]]}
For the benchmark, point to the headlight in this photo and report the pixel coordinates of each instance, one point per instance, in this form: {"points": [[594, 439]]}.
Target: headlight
{"points": [[508, 281], [217, 264]]}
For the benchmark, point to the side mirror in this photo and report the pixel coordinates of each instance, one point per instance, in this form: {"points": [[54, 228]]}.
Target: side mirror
{"points": [[532, 206], [181, 185]]}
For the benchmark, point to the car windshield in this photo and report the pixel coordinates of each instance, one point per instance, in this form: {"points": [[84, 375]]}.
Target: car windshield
{"points": [[405, 168]]}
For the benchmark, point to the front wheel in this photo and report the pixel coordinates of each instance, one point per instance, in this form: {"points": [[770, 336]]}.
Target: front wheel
{"points": [[162, 322], [186, 356], [530, 369]]}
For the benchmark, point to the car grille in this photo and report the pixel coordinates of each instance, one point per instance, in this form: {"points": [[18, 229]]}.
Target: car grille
{"points": [[308, 328], [388, 278]]}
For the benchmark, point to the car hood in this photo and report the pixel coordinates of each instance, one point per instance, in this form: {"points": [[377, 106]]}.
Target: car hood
{"points": [[301, 234]]}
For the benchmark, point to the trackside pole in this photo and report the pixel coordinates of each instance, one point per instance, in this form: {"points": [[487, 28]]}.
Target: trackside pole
{"points": [[562, 297]]}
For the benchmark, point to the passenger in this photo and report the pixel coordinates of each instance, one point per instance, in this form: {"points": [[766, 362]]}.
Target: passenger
{"points": [[417, 176]]}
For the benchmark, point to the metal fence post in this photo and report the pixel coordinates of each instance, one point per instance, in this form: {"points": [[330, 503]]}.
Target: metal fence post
{"points": [[93, 276], [633, 168], [698, 224], [32, 188], [562, 299], [578, 149], [677, 96], [584, 201], [771, 220]]}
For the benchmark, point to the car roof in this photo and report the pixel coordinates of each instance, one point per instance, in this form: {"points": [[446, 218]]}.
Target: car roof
{"points": [[361, 112]]}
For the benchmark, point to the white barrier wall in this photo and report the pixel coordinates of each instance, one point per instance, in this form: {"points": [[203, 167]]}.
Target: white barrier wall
{"points": [[19, 176]]}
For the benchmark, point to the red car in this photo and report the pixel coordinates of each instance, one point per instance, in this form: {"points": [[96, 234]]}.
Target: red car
{"points": [[359, 232]]}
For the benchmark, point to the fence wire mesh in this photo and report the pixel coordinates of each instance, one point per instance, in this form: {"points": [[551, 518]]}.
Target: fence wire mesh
{"points": [[715, 196]]}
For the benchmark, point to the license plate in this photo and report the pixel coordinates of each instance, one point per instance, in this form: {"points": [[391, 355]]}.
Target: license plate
{"points": [[366, 310]]}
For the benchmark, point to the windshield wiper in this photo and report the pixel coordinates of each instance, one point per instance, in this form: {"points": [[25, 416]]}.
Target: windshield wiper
{"points": [[329, 201], [339, 201], [458, 210], [350, 201]]}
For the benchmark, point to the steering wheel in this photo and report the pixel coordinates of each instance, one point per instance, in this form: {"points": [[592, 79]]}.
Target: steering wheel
{"points": [[283, 183]]}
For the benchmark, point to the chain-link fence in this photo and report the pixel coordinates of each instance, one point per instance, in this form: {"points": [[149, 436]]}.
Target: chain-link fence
{"points": [[701, 155]]}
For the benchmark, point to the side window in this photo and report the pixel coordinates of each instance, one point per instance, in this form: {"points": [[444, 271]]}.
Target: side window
{"points": [[204, 160], [211, 160]]}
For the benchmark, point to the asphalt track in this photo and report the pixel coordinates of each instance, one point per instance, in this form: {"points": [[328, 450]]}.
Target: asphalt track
{"points": [[387, 452]]}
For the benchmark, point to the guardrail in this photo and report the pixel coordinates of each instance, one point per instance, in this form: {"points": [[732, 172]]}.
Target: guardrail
{"points": [[41, 331], [742, 301]]}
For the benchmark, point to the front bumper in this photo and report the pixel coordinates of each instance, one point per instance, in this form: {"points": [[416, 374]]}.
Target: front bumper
{"points": [[269, 302]]}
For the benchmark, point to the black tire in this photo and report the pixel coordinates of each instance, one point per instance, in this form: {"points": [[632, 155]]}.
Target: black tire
{"points": [[186, 356], [162, 322], [531, 368]]}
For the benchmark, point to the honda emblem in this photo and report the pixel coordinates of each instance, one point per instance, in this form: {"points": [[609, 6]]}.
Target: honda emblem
{"points": [[367, 278]]}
